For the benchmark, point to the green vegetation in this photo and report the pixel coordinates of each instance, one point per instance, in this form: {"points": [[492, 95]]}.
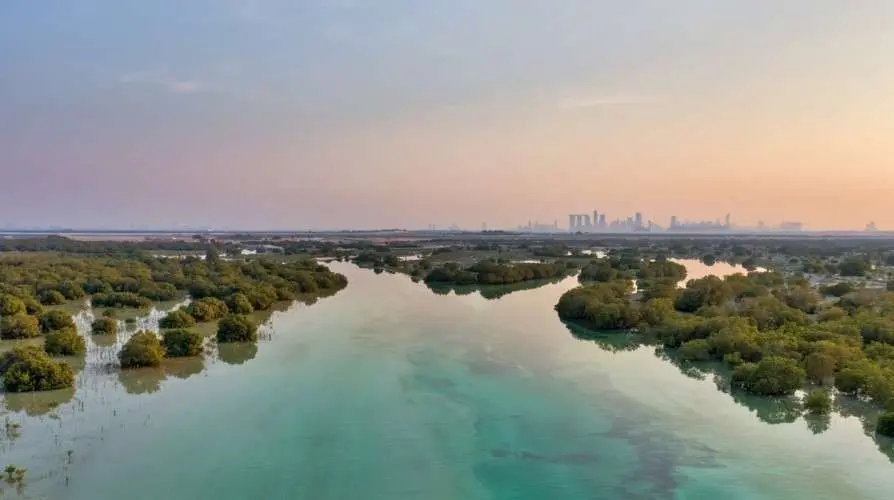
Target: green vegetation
{"points": [[237, 328], [19, 326], [776, 334], [55, 320], [29, 369], [207, 309], [177, 318], [141, 350], [818, 402], [64, 342], [489, 272], [181, 343], [104, 326]]}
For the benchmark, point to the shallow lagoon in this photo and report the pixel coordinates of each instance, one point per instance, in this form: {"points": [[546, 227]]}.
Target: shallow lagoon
{"points": [[388, 390]]}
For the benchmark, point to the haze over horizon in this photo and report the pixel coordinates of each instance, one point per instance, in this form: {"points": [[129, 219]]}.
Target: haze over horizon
{"points": [[272, 114]]}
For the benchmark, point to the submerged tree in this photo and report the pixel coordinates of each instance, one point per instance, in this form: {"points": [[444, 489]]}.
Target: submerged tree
{"points": [[143, 349], [29, 368], [104, 326], [65, 342], [237, 328], [182, 343]]}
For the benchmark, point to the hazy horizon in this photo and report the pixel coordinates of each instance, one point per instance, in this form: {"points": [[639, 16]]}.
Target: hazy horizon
{"points": [[272, 114]]}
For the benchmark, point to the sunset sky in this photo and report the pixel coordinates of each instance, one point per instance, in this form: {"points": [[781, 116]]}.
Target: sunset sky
{"points": [[403, 113]]}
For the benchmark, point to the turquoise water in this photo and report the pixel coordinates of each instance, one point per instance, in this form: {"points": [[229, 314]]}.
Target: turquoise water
{"points": [[390, 391]]}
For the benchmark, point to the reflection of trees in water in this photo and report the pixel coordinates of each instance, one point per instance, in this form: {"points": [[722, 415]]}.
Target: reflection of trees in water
{"points": [[781, 410], [612, 342], [37, 403], [184, 367], [141, 380], [489, 292], [867, 414], [237, 353]]}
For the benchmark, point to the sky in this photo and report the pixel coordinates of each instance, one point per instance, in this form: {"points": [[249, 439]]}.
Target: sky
{"points": [[312, 114]]}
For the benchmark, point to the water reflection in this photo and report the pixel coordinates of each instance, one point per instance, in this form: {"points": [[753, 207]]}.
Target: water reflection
{"points": [[773, 411], [37, 403], [184, 368], [142, 380], [489, 292], [237, 353]]}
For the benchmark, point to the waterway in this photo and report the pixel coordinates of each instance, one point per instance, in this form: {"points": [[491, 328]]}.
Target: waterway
{"points": [[390, 391]]}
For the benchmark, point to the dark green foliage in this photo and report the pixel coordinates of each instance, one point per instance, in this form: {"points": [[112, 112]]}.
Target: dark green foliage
{"points": [[771, 376], [818, 402], [696, 350], [55, 320], [181, 343], [839, 289], [141, 350], [601, 272], [29, 368], [177, 318], [19, 326], [488, 272], [237, 328], [120, 300], [104, 326], [65, 342], [51, 298], [708, 291], [207, 309], [606, 306], [885, 424], [854, 266]]}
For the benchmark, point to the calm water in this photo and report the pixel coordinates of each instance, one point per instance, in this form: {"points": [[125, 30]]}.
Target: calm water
{"points": [[390, 391]]}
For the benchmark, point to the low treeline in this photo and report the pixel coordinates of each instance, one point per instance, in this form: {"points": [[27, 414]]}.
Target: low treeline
{"points": [[630, 265], [489, 272], [32, 284], [777, 335]]}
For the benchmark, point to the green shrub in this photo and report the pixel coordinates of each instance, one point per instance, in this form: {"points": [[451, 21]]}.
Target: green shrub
{"points": [[237, 328], [32, 306], [180, 342], [55, 320], [51, 298], [64, 343], [696, 350], [11, 305], [29, 368], [818, 402], [207, 309], [104, 326], [143, 349], [238, 303], [772, 376], [19, 326], [177, 319]]}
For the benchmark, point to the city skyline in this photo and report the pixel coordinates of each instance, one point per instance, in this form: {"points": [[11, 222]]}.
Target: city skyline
{"points": [[291, 115]]}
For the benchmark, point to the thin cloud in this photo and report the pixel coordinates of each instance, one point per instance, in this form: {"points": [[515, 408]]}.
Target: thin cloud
{"points": [[162, 80], [604, 101]]}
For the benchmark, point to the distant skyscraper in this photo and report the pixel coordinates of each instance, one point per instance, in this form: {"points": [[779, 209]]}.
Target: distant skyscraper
{"points": [[673, 221], [602, 224], [727, 225], [638, 220]]}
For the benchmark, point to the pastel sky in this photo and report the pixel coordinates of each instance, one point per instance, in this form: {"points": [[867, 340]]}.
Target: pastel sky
{"points": [[402, 113]]}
